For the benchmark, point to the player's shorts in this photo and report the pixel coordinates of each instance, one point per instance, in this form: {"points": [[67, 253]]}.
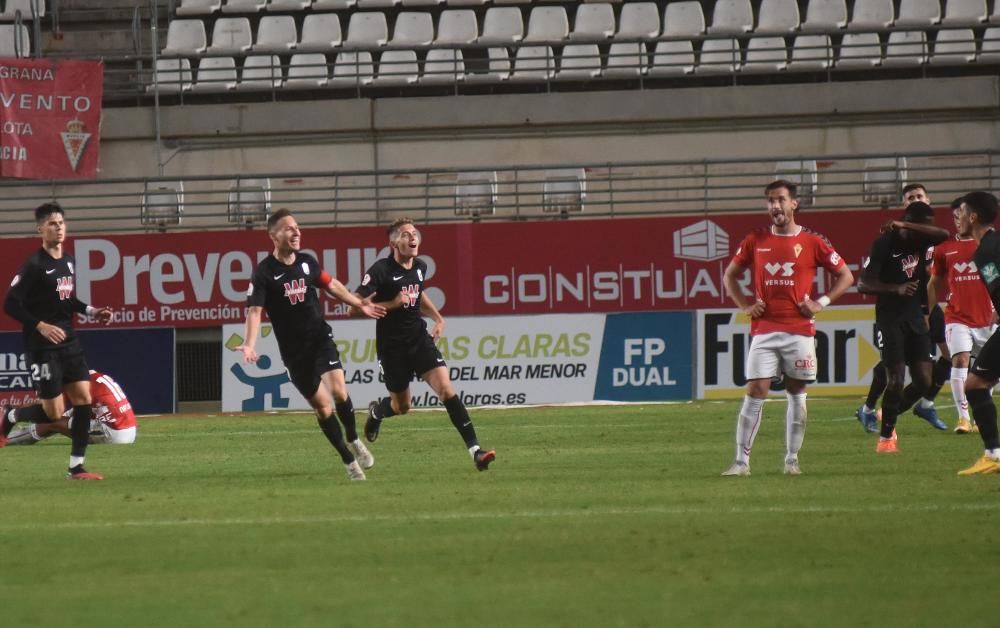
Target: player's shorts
{"points": [[102, 434], [52, 369], [905, 342], [307, 371], [399, 362], [964, 339], [987, 364], [937, 327], [780, 352]]}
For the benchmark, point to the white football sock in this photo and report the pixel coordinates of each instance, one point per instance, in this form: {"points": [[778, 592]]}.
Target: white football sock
{"points": [[926, 403], [867, 409], [958, 391], [75, 460], [746, 427], [795, 424]]}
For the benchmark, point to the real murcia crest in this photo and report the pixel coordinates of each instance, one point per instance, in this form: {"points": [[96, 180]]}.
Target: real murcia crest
{"points": [[75, 141], [798, 249]]}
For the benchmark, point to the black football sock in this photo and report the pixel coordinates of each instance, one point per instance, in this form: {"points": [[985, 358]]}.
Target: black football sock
{"points": [[890, 411], [385, 407], [879, 381], [32, 414], [345, 412], [940, 375], [80, 429], [984, 413], [460, 419], [910, 396], [331, 429]]}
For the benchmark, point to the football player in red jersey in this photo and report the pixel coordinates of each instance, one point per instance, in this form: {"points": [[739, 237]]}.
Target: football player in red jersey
{"points": [[783, 259], [113, 423], [969, 319]]}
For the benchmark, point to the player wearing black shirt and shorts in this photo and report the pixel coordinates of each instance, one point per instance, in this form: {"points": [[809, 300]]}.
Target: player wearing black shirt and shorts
{"points": [[974, 218], [285, 284], [895, 270], [404, 347], [42, 297]]}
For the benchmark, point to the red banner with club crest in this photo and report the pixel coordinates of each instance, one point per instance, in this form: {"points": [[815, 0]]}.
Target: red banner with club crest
{"points": [[50, 118]]}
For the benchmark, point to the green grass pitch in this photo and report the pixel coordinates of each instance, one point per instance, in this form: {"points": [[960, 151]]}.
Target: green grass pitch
{"points": [[597, 516]]}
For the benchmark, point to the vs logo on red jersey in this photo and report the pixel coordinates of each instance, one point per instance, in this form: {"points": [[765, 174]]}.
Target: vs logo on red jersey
{"points": [[64, 286], [295, 290]]}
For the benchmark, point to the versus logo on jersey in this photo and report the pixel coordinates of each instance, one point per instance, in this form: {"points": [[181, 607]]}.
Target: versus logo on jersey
{"points": [[295, 290], [962, 267], [989, 272], [787, 268], [909, 264], [64, 286]]}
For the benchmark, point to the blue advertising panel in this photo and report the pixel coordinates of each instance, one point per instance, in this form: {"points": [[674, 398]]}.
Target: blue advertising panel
{"points": [[646, 357], [140, 360]]}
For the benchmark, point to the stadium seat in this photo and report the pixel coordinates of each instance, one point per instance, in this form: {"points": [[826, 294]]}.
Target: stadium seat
{"points": [[261, 72], [995, 15], [377, 4], [502, 25], [871, 15], [198, 7], [564, 190], [397, 67], [883, 179], [215, 74], [683, 19], [547, 24], [412, 29], [860, 50], [352, 69], [954, 47], [534, 63], [332, 5], [320, 32], [29, 10], [918, 13], [366, 30], [638, 20], [990, 51], [498, 68], [503, 2], [422, 3], [732, 17], [579, 62], [185, 38], [249, 201], [243, 6], [443, 65], [719, 56], [778, 16], [593, 22], [15, 41], [811, 53], [307, 71], [626, 59], [230, 35], [475, 193], [457, 26], [467, 3], [825, 16], [161, 203], [276, 33], [172, 76], [906, 48], [964, 13], [766, 54], [288, 5], [672, 58], [802, 172]]}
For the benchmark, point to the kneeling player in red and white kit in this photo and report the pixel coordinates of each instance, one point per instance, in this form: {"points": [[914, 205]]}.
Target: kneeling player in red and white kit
{"points": [[969, 319], [783, 259], [113, 423]]}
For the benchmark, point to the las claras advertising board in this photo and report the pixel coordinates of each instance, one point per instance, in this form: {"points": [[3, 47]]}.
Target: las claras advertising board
{"points": [[499, 360], [845, 352]]}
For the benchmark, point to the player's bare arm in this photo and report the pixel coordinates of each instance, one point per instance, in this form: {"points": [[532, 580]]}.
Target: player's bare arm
{"points": [[843, 279], [932, 233], [250, 330], [933, 290], [872, 285], [337, 290], [753, 309], [427, 308]]}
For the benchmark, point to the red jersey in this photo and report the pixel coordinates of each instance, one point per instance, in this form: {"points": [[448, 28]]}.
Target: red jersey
{"points": [[784, 267], [968, 301], [111, 407]]}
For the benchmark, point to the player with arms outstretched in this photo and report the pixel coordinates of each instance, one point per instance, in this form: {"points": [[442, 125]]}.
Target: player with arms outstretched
{"points": [[783, 259]]}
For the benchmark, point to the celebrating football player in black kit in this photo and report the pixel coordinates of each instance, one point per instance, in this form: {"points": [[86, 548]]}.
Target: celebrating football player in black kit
{"points": [[974, 218], [42, 297], [285, 284], [895, 271], [404, 347]]}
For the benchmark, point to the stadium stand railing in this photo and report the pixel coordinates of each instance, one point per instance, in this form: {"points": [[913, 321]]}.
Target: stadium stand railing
{"points": [[533, 193]]}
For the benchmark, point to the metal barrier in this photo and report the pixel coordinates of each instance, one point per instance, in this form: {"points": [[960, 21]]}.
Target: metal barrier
{"points": [[566, 191]]}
